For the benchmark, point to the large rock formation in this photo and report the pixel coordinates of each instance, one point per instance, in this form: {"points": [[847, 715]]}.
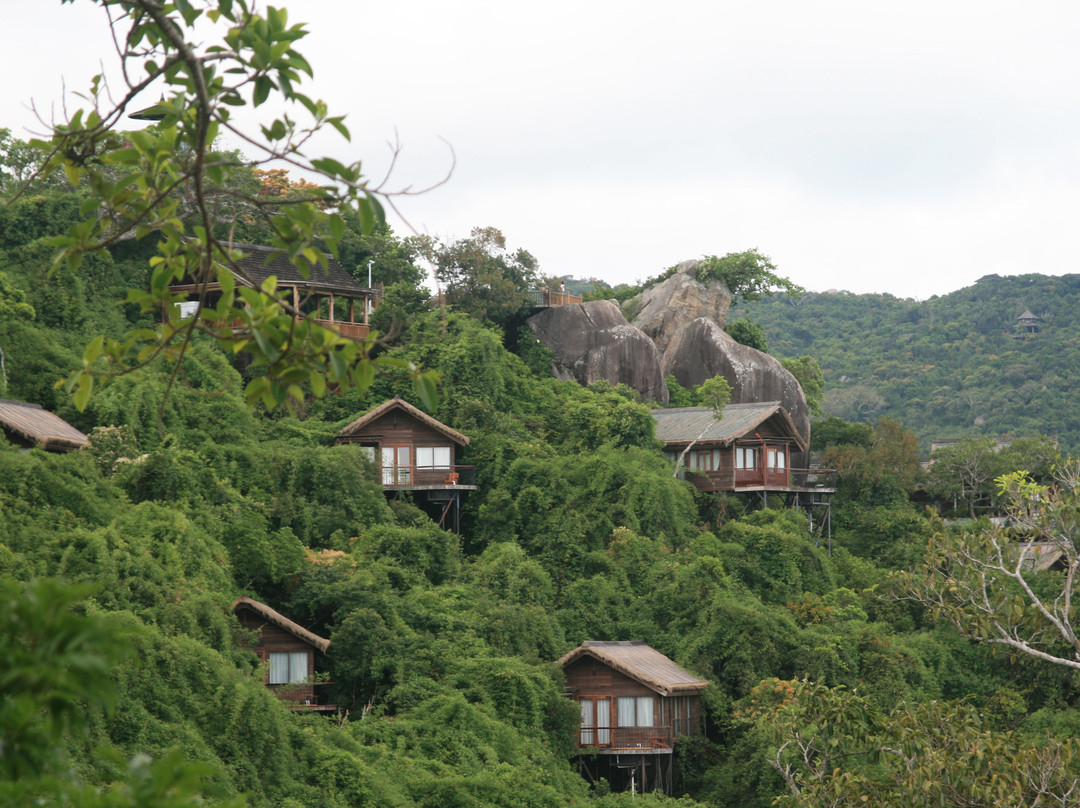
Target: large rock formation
{"points": [[593, 341], [676, 329], [663, 310], [703, 350]]}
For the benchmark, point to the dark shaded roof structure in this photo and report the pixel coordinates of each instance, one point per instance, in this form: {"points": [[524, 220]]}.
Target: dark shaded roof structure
{"points": [[399, 403], [260, 263], [38, 426], [642, 663], [687, 424], [281, 621]]}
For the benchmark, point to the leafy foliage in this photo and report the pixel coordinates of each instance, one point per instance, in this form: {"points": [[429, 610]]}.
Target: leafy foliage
{"points": [[168, 183], [953, 366]]}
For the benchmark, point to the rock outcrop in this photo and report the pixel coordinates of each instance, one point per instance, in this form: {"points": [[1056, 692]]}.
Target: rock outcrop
{"points": [[703, 350], [592, 341], [676, 329], [663, 310]]}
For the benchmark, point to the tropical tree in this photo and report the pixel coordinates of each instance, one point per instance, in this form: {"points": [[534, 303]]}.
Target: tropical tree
{"points": [[837, 748], [748, 275], [988, 583], [205, 60], [479, 275]]}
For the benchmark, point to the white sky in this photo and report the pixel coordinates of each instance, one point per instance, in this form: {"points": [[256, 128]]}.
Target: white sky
{"points": [[906, 147]]}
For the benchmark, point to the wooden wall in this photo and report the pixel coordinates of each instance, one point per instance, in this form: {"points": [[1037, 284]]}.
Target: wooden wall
{"points": [[273, 638], [398, 428], [589, 677]]}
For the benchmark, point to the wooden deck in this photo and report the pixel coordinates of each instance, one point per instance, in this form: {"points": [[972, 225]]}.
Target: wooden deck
{"points": [[808, 481], [411, 478], [545, 298], [354, 330], [639, 740]]}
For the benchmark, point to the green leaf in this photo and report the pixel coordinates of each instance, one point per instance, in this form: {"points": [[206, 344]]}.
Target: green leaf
{"points": [[428, 390], [93, 350], [263, 86]]}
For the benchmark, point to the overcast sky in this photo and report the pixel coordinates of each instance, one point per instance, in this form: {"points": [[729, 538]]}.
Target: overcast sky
{"points": [[906, 147]]}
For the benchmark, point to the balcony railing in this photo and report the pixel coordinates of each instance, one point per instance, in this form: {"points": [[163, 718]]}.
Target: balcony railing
{"points": [[302, 695], [354, 330], [427, 477], [545, 297], [734, 480], [626, 737]]}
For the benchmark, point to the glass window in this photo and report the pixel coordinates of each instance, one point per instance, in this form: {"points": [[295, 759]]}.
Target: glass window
{"points": [[635, 711], [288, 667], [777, 458], [745, 458], [436, 457], [588, 737]]}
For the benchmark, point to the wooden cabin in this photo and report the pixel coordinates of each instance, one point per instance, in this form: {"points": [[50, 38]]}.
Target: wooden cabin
{"points": [[1027, 323], [287, 650], [750, 448], [635, 704], [29, 425], [414, 452], [329, 294]]}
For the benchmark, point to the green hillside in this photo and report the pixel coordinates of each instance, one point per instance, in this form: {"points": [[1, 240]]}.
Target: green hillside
{"points": [[879, 658], [949, 367]]}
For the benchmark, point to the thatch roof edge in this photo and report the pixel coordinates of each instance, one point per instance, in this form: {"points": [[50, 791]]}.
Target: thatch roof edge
{"points": [[281, 621], [661, 687], [416, 412]]}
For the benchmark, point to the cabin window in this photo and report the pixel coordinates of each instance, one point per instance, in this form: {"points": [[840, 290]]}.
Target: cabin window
{"points": [[433, 457], [636, 711], [745, 458], [288, 667], [702, 461], [396, 464], [777, 459], [595, 722]]}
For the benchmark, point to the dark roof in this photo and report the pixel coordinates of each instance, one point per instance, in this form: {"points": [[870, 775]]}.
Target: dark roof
{"points": [[418, 414], [680, 425], [640, 662], [39, 426], [280, 620], [260, 263]]}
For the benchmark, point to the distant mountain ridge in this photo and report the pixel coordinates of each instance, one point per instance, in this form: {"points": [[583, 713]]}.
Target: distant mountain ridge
{"points": [[955, 365]]}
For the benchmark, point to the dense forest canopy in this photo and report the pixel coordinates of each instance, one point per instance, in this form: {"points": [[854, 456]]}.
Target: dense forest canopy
{"points": [[955, 366], [126, 680]]}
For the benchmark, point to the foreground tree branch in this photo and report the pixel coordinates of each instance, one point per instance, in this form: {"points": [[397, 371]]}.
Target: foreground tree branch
{"points": [[166, 182], [996, 587]]}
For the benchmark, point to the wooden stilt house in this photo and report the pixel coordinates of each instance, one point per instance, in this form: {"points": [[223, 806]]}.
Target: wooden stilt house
{"points": [[749, 450], [329, 295], [414, 452], [288, 651], [635, 704]]}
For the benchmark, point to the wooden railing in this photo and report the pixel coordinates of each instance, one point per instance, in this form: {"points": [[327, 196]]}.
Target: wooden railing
{"points": [[354, 330], [545, 297], [302, 695], [761, 478], [414, 477], [626, 737]]}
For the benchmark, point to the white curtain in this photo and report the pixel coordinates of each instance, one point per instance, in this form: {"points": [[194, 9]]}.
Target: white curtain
{"points": [[603, 722], [587, 735], [279, 669], [298, 666], [645, 711], [626, 711], [436, 457]]}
